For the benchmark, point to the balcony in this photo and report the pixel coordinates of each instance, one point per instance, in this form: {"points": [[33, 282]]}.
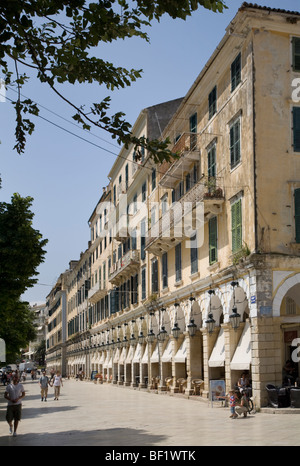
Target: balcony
{"points": [[124, 267], [177, 224], [98, 291], [187, 147]]}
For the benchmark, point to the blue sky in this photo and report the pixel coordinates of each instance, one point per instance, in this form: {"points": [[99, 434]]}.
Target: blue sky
{"points": [[65, 174]]}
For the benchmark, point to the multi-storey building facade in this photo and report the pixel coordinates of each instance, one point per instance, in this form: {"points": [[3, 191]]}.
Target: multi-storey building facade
{"points": [[199, 280], [56, 322]]}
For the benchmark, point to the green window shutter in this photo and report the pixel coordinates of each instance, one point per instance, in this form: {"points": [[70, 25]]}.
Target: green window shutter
{"points": [[235, 144], [236, 224], [193, 130], [296, 129], [297, 214], [236, 69], [213, 240]]}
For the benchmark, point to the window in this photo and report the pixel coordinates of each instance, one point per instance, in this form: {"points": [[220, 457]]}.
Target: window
{"points": [[164, 204], [235, 143], [236, 72], [187, 182], [134, 289], [164, 264], [193, 129], [133, 239], [212, 103], [290, 306], [126, 177], [297, 214], [211, 161], [144, 283], [213, 240], [296, 53], [154, 276], [144, 191], [143, 239], [296, 129], [135, 204], [236, 225], [153, 179], [194, 254], [153, 216], [178, 275]]}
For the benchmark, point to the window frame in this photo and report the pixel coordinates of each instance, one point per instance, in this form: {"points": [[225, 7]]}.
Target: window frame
{"points": [[236, 72]]}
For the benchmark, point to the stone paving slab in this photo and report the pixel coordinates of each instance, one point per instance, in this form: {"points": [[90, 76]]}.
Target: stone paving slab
{"points": [[103, 415]]}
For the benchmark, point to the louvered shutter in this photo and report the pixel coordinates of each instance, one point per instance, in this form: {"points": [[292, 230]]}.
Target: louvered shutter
{"points": [[213, 256], [296, 129], [297, 214]]}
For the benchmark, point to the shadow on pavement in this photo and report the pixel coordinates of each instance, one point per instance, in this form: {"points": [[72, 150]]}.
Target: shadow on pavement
{"points": [[100, 437], [28, 413]]}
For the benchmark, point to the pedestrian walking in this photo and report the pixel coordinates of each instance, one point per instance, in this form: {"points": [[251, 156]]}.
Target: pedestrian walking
{"points": [[14, 393], [57, 383], [44, 383]]}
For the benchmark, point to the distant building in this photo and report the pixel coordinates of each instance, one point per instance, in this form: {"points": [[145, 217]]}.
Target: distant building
{"points": [[40, 321]]}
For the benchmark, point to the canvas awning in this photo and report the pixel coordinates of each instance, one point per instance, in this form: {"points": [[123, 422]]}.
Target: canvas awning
{"points": [[168, 353], [123, 356], [181, 353], [217, 358], [102, 358], [145, 356], [155, 356], [242, 357], [138, 354], [130, 355], [117, 356]]}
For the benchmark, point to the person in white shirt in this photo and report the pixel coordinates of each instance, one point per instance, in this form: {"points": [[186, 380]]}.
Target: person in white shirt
{"points": [[57, 383], [14, 393]]}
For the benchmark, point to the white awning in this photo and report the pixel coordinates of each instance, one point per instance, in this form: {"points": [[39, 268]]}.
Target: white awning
{"points": [[138, 354], [94, 358], [155, 356], [145, 356], [242, 356], [102, 359], [117, 355], [217, 358], [130, 355], [123, 356], [106, 361], [168, 353], [181, 353]]}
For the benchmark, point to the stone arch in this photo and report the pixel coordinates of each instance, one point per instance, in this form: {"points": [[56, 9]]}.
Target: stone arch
{"points": [[282, 290], [214, 305], [241, 302]]}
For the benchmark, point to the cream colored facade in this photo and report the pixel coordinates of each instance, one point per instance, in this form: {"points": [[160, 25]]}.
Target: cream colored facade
{"points": [[237, 175]]}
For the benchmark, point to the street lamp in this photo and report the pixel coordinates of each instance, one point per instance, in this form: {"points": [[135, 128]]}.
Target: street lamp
{"points": [[235, 317], [141, 338], [176, 329], [162, 335], [210, 322], [192, 327]]}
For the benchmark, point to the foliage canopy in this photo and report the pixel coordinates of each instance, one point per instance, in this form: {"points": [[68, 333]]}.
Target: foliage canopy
{"points": [[55, 39]]}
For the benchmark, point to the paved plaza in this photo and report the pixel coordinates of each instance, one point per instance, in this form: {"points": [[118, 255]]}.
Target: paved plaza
{"points": [[100, 415]]}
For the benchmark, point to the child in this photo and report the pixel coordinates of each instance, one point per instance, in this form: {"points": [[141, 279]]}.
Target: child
{"points": [[232, 404]]}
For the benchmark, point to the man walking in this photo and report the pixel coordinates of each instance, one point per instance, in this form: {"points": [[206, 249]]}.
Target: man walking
{"points": [[57, 383], [44, 382], [14, 394]]}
